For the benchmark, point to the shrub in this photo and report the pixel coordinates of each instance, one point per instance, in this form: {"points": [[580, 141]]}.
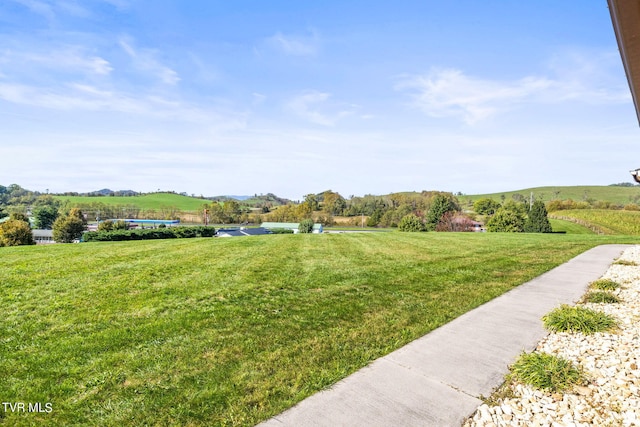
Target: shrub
{"points": [[306, 226], [411, 223], [578, 319], [454, 221], [281, 231], [546, 372], [506, 220], [149, 234]]}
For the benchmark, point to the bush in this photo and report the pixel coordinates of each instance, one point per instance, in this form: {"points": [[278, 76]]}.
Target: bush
{"points": [[454, 221], [149, 234], [306, 226], [506, 220], [411, 223], [281, 231]]}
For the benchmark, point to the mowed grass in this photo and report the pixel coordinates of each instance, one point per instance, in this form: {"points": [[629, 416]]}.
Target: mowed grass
{"points": [[232, 331], [559, 225], [603, 221]]}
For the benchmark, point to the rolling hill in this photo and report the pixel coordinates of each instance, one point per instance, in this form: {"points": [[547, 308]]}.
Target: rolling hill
{"points": [[608, 193]]}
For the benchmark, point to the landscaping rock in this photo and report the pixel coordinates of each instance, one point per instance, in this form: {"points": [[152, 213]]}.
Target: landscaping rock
{"points": [[609, 360]]}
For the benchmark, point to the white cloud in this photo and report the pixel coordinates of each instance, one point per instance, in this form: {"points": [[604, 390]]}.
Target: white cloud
{"points": [[452, 93], [295, 45], [71, 58], [144, 59], [38, 7], [316, 107], [77, 97]]}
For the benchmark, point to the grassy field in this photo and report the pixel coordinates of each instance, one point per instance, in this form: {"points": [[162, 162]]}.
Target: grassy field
{"points": [[603, 221], [146, 201], [233, 331], [614, 194]]}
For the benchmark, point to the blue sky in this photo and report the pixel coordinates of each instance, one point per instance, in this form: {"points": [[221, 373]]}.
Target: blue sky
{"points": [[292, 97]]}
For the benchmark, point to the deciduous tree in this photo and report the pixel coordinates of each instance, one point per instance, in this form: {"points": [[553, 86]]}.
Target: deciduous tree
{"points": [[15, 232], [69, 227]]}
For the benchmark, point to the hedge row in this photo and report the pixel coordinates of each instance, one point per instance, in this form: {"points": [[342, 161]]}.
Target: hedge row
{"points": [[148, 234]]}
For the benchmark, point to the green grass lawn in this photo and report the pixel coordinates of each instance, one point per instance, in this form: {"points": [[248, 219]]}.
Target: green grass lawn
{"points": [[559, 225], [233, 331]]}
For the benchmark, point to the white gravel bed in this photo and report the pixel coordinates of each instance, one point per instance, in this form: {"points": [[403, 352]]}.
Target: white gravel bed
{"points": [[610, 361]]}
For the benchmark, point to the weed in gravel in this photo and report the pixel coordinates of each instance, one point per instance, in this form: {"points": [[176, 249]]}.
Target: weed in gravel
{"points": [[626, 262]]}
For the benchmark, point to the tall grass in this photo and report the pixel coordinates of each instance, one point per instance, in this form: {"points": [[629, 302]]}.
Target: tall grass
{"points": [[233, 331]]}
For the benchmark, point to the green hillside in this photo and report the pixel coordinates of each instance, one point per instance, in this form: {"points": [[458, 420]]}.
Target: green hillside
{"points": [[146, 201], [608, 193]]}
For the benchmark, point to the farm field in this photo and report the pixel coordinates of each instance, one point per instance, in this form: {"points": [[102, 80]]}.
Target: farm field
{"points": [[233, 331], [146, 201]]}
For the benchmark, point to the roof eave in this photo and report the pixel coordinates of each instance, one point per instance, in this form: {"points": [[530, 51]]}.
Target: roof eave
{"points": [[625, 16]]}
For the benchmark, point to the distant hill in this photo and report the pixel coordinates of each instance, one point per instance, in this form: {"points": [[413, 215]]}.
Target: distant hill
{"points": [[227, 197], [145, 201], [108, 192], [618, 194]]}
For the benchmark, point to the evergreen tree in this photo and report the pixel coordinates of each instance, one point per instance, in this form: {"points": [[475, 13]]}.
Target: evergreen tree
{"points": [[45, 216], [537, 221], [440, 205]]}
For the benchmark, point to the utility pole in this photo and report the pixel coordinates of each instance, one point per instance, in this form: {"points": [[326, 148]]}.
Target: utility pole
{"points": [[531, 201]]}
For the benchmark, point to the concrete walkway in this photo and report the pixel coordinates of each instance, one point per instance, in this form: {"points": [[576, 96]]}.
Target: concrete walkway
{"points": [[437, 380]]}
